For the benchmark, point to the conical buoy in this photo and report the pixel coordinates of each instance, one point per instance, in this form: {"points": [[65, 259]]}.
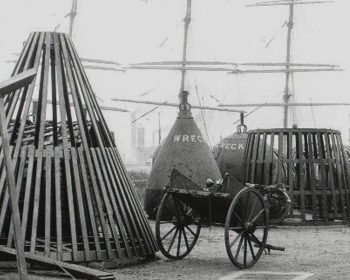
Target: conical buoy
{"points": [[185, 150], [76, 200]]}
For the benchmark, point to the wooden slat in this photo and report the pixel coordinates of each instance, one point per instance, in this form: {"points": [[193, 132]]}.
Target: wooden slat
{"points": [[254, 155], [89, 202], [135, 200], [290, 164], [260, 157], [279, 154], [323, 180], [127, 212], [77, 271], [19, 187], [22, 124], [27, 206], [345, 175], [270, 158], [43, 91], [301, 175], [48, 175], [83, 136], [67, 166], [109, 212], [11, 188], [312, 178], [266, 162], [11, 101], [79, 199], [58, 174], [27, 98], [110, 183], [331, 174], [131, 197]]}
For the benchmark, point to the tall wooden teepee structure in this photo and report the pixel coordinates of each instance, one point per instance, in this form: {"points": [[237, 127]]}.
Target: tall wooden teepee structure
{"points": [[75, 198]]}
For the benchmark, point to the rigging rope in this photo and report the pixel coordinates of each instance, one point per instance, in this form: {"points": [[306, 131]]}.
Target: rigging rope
{"points": [[150, 111], [202, 116]]}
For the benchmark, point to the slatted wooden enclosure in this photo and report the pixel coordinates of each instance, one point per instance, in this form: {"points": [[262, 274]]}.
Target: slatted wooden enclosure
{"points": [[311, 162], [76, 200]]}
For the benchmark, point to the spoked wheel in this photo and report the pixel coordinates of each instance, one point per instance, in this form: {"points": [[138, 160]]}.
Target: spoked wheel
{"points": [[246, 228], [177, 227]]}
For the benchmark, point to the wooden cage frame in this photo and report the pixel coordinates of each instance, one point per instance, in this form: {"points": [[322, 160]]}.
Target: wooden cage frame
{"points": [[311, 162], [76, 200]]}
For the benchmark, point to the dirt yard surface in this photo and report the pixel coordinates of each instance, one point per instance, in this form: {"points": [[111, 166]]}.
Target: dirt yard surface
{"points": [[323, 251]]}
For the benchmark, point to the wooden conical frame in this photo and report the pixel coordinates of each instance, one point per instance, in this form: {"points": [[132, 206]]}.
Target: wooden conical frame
{"points": [[76, 200]]}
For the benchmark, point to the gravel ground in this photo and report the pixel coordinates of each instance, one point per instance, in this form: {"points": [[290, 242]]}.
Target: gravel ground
{"points": [[324, 251]]}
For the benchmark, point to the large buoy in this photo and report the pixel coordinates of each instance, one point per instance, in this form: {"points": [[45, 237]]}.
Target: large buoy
{"points": [[229, 152], [184, 149]]}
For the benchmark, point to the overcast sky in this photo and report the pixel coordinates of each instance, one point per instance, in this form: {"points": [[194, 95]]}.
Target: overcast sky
{"points": [[222, 30]]}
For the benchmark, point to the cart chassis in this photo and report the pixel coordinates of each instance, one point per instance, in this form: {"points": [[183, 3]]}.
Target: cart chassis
{"points": [[182, 213]]}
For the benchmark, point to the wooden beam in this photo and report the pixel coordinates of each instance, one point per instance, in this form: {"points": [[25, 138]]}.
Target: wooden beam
{"points": [[282, 104], [102, 61], [196, 62], [105, 108], [103, 68], [177, 105], [11, 85], [290, 70], [230, 70], [287, 3], [77, 271], [16, 82]]}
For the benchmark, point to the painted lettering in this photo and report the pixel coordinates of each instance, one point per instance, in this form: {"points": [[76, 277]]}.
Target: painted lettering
{"points": [[177, 138], [241, 147], [190, 138]]}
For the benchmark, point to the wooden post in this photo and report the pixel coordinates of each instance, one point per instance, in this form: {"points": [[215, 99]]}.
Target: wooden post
{"points": [[6, 87]]}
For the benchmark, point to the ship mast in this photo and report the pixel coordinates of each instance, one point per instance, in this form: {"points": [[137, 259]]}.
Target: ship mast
{"points": [[289, 75], [187, 22], [72, 16], [288, 94]]}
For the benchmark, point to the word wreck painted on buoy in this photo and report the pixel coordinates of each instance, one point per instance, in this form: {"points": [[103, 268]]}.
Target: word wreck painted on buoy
{"points": [[231, 146], [188, 138]]}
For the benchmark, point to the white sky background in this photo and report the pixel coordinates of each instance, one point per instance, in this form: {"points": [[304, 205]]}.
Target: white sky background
{"points": [[224, 30]]}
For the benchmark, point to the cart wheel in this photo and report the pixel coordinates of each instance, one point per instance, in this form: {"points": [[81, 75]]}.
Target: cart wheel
{"points": [[246, 228], [177, 227]]}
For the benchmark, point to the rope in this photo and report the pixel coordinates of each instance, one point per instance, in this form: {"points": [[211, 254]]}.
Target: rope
{"points": [[150, 111]]}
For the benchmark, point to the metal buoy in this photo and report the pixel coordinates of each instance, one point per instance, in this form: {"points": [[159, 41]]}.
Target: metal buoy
{"points": [[185, 150]]}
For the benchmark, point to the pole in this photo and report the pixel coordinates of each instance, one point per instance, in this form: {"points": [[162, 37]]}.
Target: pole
{"points": [[159, 131], [11, 187], [72, 15], [6, 87], [187, 21], [287, 94], [349, 128]]}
